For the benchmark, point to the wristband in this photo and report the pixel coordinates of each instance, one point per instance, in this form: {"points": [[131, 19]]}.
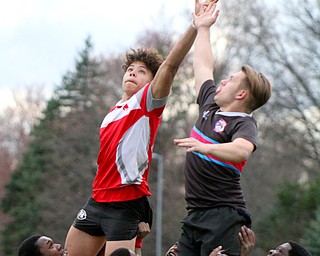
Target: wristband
{"points": [[138, 242]]}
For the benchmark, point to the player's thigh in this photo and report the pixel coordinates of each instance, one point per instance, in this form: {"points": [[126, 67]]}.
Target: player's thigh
{"points": [[113, 245], [81, 243]]}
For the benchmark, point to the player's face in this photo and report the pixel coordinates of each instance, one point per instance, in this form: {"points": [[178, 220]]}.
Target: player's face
{"points": [[136, 76], [49, 248], [227, 91], [281, 250]]}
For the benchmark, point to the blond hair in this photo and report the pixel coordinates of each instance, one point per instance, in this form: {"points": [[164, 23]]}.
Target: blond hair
{"points": [[259, 87]]}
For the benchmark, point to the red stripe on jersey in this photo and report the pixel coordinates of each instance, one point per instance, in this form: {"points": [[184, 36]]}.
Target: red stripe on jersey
{"points": [[120, 132], [195, 133]]}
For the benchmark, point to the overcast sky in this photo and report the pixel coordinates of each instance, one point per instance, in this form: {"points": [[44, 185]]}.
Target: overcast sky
{"points": [[40, 39]]}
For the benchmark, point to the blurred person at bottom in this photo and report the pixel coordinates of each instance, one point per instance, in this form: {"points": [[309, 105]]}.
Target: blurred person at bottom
{"points": [[123, 252], [290, 248], [37, 245]]}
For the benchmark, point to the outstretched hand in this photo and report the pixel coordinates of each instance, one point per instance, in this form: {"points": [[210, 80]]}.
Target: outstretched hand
{"points": [[205, 4], [205, 13], [192, 145]]}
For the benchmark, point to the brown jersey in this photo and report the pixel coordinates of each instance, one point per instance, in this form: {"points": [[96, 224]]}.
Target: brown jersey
{"points": [[209, 181]]}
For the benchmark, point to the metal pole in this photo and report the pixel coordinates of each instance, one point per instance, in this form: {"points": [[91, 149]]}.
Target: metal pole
{"points": [[159, 159]]}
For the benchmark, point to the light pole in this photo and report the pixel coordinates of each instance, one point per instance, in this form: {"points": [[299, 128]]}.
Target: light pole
{"points": [[159, 159]]}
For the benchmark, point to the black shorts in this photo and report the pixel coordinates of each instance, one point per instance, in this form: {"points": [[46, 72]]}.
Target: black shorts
{"points": [[117, 220], [204, 230]]}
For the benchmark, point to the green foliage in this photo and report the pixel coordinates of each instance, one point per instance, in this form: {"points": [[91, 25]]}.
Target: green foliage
{"points": [[311, 237], [290, 217], [26, 216], [20, 201], [47, 186], [26, 183]]}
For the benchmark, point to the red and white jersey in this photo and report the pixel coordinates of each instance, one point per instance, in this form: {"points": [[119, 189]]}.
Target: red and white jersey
{"points": [[127, 136]]}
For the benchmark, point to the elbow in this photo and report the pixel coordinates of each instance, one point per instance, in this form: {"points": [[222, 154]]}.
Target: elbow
{"points": [[242, 155], [242, 150]]}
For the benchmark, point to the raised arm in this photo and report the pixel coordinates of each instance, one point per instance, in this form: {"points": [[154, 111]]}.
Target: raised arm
{"points": [[203, 58], [162, 82]]}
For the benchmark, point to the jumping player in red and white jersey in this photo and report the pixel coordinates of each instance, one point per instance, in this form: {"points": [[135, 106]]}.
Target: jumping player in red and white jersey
{"points": [[127, 134]]}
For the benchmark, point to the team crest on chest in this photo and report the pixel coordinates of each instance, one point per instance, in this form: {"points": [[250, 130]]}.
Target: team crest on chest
{"points": [[220, 125]]}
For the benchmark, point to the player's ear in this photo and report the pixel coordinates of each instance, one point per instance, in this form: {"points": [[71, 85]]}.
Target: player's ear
{"points": [[241, 94]]}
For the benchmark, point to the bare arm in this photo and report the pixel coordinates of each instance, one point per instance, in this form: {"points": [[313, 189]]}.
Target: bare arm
{"points": [[203, 58], [144, 230], [235, 151], [162, 82], [138, 251]]}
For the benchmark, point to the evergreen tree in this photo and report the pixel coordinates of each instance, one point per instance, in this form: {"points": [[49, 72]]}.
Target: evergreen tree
{"points": [[291, 214], [56, 171], [20, 201]]}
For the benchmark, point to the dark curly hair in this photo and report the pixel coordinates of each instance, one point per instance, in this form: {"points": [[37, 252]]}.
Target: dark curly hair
{"points": [[298, 250], [150, 57], [121, 252], [29, 248]]}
